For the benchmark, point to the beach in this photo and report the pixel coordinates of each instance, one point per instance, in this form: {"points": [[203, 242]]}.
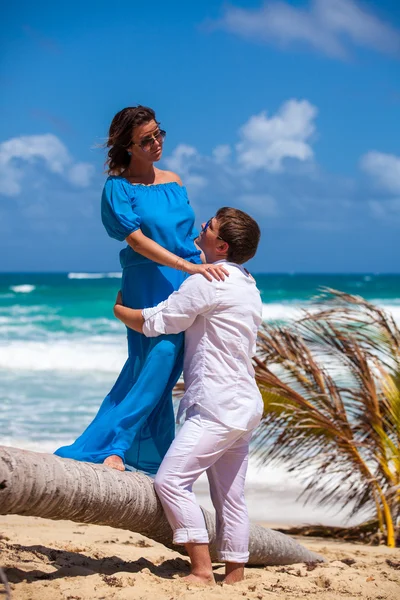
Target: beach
{"points": [[60, 352], [49, 560]]}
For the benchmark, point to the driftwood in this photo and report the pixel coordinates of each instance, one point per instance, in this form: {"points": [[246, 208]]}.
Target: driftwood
{"points": [[44, 485]]}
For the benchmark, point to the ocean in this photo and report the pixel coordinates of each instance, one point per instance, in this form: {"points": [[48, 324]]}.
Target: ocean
{"points": [[61, 350]]}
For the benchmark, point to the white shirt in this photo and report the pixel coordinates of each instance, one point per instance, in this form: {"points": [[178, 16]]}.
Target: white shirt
{"points": [[221, 319]]}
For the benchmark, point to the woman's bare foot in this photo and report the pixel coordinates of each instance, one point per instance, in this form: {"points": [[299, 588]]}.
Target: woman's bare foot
{"points": [[200, 579], [115, 462]]}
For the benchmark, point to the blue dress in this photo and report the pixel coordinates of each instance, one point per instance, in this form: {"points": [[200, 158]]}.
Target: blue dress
{"points": [[136, 419]]}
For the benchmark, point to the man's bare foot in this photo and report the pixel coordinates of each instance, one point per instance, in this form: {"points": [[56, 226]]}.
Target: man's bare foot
{"points": [[201, 572], [200, 579], [115, 462], [232, 578], [234, 573]]}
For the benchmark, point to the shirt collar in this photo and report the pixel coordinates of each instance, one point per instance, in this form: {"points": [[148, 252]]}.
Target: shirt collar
{"points": [[240, 267]]}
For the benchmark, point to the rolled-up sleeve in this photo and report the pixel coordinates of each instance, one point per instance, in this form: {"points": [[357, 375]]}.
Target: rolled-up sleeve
{"points": [[196, 296], [117, 214]]}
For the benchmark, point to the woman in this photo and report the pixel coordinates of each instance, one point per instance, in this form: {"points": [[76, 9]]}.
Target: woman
{"points": [[148, 208]]}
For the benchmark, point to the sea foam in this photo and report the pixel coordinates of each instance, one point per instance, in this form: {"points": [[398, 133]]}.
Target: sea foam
{"points": [[106, 354], [275, 311], [96, 345], [23, 289], [116, 275]]}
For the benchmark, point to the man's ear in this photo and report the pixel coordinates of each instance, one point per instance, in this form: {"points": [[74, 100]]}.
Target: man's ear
{"points": [[222, 247]]}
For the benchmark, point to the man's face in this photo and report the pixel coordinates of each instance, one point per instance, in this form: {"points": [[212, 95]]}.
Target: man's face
{"points": [[209, 240]]}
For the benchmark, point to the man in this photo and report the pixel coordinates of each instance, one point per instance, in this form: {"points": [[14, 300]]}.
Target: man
{"points": [[222, 401]]}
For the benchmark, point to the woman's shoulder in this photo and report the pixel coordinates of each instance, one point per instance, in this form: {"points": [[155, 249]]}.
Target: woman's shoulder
{"points": [[116, 186], [168, 177], [163, 178], [114, 182], [166, 182]]}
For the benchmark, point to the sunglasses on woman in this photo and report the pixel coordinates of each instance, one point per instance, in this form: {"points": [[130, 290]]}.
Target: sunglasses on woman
{"points": [[147, 143]]}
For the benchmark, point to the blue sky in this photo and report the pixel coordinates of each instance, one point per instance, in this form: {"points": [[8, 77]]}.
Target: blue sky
{"points": [[288, 110]]}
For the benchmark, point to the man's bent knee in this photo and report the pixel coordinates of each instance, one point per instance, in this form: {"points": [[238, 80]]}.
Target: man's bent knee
{"points": [[163, 485]]}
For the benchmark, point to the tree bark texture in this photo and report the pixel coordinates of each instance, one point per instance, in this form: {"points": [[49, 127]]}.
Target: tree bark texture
{"points": [[44, 485]]}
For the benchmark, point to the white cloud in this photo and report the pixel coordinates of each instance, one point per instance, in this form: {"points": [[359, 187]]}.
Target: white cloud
{"points": [[269, 173], [180, 156], [266, 142], [186, 161], [326, 25], [385, 210], [221, 153], [48, 147], [248, 174], [262, 204], [384, 168], [16, 153], [9, 180], [81, 174]]}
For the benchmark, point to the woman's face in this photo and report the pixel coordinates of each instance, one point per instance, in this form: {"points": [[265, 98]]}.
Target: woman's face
{"points": [[147, 142]]}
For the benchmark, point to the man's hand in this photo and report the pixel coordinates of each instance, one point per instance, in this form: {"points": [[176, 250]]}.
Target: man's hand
{"points": [[118, 303]]}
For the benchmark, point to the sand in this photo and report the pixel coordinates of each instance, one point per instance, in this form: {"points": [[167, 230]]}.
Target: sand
{"points": [[49, 560]]}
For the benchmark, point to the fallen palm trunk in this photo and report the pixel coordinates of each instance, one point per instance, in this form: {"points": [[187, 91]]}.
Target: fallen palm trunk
{"points": [[44, 485]]}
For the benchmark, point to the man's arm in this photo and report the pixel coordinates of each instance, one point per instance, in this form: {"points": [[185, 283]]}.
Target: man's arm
{"points": [[132, 317], [181, 308], [173, 315]]}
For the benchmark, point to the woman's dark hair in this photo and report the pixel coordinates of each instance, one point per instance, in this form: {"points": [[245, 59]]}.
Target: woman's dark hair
{"points": [[240, 231], [120, 135]]}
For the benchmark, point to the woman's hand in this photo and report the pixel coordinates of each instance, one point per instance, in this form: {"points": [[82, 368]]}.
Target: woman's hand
{"points": [[209, 271], [153, 251]]}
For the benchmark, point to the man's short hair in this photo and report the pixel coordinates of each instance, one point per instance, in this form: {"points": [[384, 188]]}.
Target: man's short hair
{"points": [[240, 231]]}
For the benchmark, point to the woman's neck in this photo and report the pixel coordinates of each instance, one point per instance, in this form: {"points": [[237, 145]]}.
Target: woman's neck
{"points": [[143, 173]]}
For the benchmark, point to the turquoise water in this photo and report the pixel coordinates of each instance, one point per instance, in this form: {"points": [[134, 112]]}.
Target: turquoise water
{"points": [[61, 350], [61, 347]]}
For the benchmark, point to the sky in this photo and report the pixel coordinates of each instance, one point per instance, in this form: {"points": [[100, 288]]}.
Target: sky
{"points": [[288, 110]]}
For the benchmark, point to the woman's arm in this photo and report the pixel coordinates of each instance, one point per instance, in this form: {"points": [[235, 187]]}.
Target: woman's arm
{"points": [[122, 223], [150, 249], [132, 317]]}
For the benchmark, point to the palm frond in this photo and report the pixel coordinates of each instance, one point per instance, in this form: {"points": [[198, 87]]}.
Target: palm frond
{"points": [[331, 388]]}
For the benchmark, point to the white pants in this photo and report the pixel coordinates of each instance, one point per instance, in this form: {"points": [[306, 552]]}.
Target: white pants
{"points": [[204, 444]]}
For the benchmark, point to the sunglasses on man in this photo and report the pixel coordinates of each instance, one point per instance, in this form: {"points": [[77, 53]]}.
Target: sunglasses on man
{"points": [[207, 225]]}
